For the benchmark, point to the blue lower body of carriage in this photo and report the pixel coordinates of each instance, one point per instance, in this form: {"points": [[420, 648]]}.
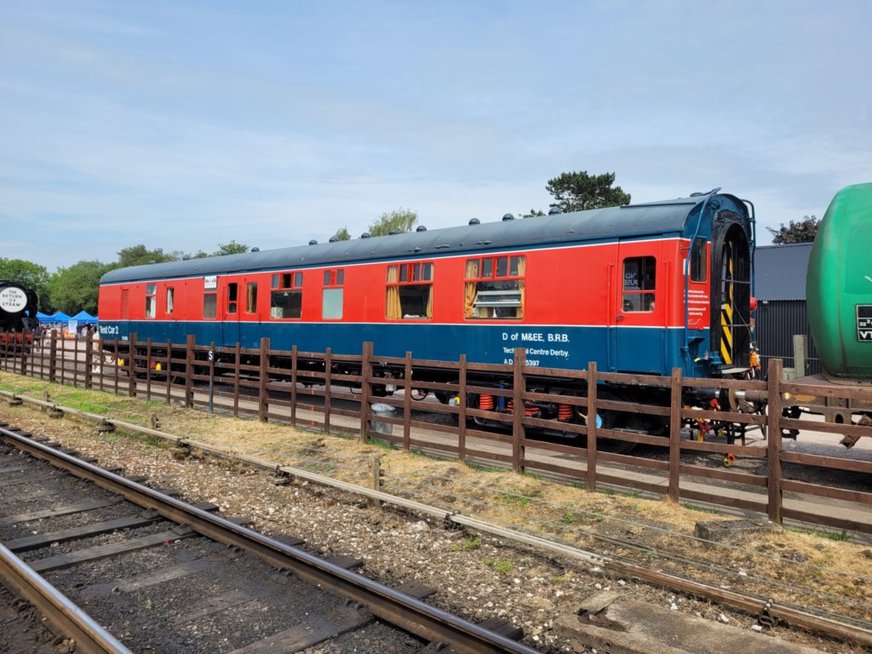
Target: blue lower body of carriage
{"points": [[621, 349]]}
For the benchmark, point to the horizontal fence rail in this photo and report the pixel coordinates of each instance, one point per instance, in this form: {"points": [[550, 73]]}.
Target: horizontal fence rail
{"points": [[356, 395]]}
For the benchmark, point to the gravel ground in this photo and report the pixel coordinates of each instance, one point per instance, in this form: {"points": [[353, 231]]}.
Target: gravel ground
{"points": [[476, 576]]}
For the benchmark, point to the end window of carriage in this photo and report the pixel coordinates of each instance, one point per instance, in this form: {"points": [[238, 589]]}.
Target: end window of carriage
{"points": [[639, 284], [286, 295], [332, 295], [410, 291], [494, 287]]}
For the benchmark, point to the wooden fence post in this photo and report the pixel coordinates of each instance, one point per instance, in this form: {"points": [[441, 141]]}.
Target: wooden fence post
{"points": [[132, 365], [407, 403], [518, 388], [169, 388], [773, 427], [237, 362], [89, 362], [461, 411], [189, 371], [674, 435], [590, 475], [293, 386], [262, 399], [328, 365], [365, 375], [148, 370], [53, 356]]}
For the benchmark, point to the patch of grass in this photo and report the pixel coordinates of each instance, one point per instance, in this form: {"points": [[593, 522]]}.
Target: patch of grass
{"points": [[503, 567], [558, 579], [840, 536], [568, 517], [606, 491], [702, 509], [381, 444], [483, 468], [513, 497], [467, 544]]}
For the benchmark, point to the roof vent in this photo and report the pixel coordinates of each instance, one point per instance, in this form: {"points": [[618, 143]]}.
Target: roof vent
{"points": [[334, 238], [255, 249], [364, 235], [393, 232], [313, 242], [474, 221], [508, 216], [554, 210], [420, 228]]}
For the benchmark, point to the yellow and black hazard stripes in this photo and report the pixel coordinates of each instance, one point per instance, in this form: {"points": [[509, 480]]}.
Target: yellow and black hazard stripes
{"points": [[726, 348]]}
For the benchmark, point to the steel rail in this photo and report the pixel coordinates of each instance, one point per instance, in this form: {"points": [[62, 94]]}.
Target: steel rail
{"points": [[406, 612], [65, 617]]}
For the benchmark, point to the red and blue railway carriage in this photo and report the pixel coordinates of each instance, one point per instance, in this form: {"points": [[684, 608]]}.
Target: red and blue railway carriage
{"points": [[641, 288]]}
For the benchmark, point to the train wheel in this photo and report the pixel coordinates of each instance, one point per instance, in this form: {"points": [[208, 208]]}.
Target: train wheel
{"points": [[419, 394]]}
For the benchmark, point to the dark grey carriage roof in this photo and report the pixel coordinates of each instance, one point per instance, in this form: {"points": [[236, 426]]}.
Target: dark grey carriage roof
{"points": [[780, 270], [669, 217]]}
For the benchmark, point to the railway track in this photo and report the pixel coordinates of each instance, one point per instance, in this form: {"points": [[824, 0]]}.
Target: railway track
{"points": [[89, 547]]}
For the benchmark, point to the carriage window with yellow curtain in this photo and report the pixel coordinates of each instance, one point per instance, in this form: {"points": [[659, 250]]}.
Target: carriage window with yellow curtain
{"points": [[409, 291], [494, 287]]}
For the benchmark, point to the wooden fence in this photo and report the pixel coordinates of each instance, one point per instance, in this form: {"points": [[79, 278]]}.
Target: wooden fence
{"points": [[336, 394]]}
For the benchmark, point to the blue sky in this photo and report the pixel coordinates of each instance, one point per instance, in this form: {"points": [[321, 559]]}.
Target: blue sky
{"points": [[182, 125]]}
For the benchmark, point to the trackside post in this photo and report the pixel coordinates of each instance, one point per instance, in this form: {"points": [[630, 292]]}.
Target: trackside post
{"points": [[773, 428]]}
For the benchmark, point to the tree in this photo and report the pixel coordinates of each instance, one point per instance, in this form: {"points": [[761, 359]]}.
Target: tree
{"points": [[533, 212], [75, 288], [30, 275], [230, 248], [341, 234], [580, 191], [138, 255], [799, 231], [399, 220]]}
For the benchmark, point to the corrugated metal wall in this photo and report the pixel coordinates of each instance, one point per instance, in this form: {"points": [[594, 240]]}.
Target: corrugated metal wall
{"points": [[777, 322]]}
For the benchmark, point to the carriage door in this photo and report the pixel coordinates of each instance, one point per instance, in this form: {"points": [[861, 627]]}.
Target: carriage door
{"points": [[638, 342], [232, 309], [731, 291]]}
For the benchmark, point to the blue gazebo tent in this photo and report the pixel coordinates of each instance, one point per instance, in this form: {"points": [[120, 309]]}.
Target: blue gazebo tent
{"points": [[59, 317], [84, 318], [43, 317]]}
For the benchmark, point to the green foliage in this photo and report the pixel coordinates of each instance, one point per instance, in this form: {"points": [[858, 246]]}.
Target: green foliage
{"points": [[29, 275], [139, 255], [342, 234], [503, 567], [798, 231], [230, 248], [75, 288], [399, 220], [467, 544], [533, 212], [578, 191]]}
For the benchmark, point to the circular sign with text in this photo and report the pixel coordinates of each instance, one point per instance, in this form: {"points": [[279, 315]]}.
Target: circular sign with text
{"points": [[13, 299]]}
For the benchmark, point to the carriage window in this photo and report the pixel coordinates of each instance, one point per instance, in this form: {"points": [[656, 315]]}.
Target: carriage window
{"points": [[495, 287], [232, 296], [171, 292], [150, 300], [639, 284], [286, 299], [332, 295], [210, 305], [697, 260], [251, 297], [410, 291]]}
